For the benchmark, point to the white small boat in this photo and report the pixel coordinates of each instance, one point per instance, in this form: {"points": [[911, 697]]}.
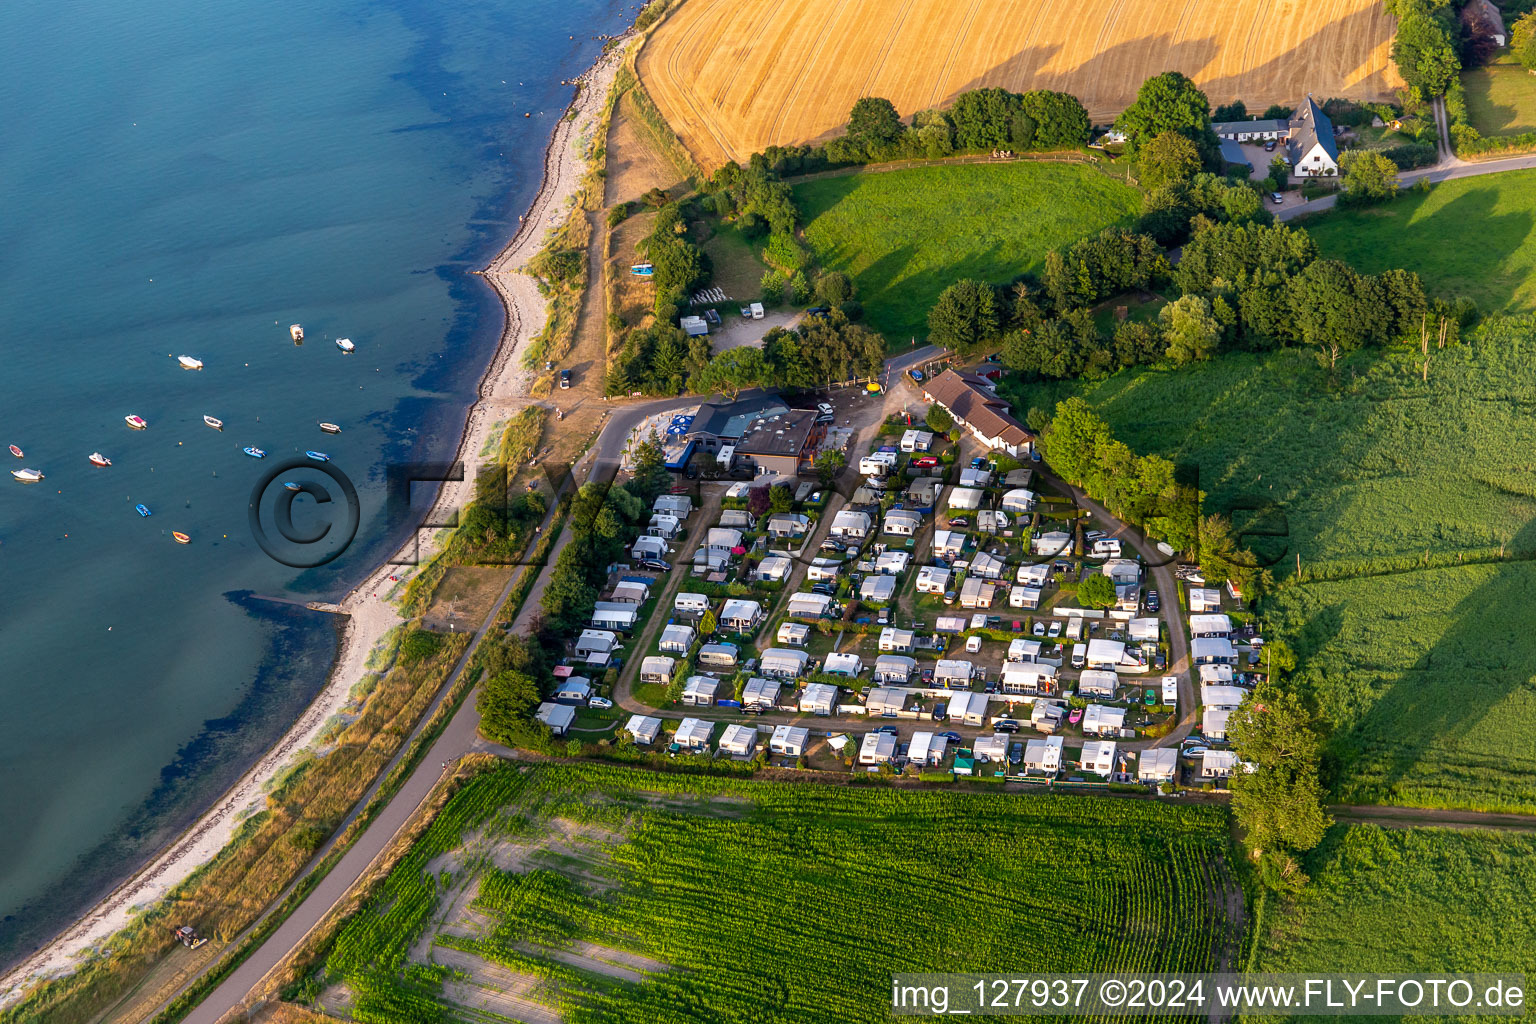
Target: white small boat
{"points": [[296, 332], [330, 428], [214, 422], [189, 363], [27, 476], [345, 344], [98, 459], [136, 422]]}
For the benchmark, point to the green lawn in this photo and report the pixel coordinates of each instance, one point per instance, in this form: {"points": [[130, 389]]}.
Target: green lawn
{"points": [[1405, 901], [1384, 486], [1501, 98], [1473, 236], [904, 236]]}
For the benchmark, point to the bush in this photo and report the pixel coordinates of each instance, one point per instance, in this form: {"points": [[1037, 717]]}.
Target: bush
{"points": [[619, 214]]}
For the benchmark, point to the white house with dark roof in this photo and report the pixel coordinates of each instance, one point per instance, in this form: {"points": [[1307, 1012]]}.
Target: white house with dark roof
{"points": [[1310, 143]]}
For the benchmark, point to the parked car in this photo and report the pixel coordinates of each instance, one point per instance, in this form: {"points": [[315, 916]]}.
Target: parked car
{"points": [[940, 712], [1269, 147], [1154, 603], [1007, 725], [1038, 629], [655, 564], [927, 676], [925, 461], [565, 380], [601, 703], [1158, 661], [1194, 751], [1034, 455], [1276, 198], [1149, 698], [1055, 628], [889, 730], [1015, 753], [960, 521], [978, 462], [953, 737], [915, 374]]}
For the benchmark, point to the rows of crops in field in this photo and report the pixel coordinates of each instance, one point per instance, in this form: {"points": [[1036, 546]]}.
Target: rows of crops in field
{"points": [[797, 902]]}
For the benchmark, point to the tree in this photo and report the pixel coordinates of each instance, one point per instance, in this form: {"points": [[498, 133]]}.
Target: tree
{"points": [[834, 288], [1167, 158], [939, 420], [733, 370], [758, 501], [1097, 591], [1369, 177], [964, 316], [1170, 102], [1234, 111], [708, 625], [1279, 802], [828, 463], [780, 498], [1522, 40], [1190, 329], [874, 121]]}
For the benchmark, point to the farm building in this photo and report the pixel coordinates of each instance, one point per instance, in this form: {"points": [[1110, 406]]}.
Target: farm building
{"points": [[932, 580], [774, 569], [976, 593], [760, 693], [884, 702], [953, 673], [1217, 764], [1027, 598], [740, 614], [819, 699], [595, 641], [877, 748], [903, 522], [781, 444], [1105, 654], [611, 615], [851, 524], [679, 505], [1052, 542], [1255, 129], [892, 563], [1221, 696], [927, 749], [1122, 570], [694, 734], [1022, 677], [1097, 683], [573, 690], [796, 634], [972, 476], [993, 748], [739, 740], [824, 569], [1309, 140], [789, 740], [657, 669], [1099, 720], [1205, 650], [690, 604], [877, 589], [969, 398], [840, 664], [894, 668], [948, 544], [988, 566], [719, 656], [809, 606], [1098, 757], [783, 664], [898, 640], [1213, 722], [916, 441], [988, 521], [1210, 625], [1043, 756], [557, 716], [1158, 765], [1148, 629], [676, 638], [964, 499], [1020, 649], [1204, 599], [788, 524], [968, 708], [643, 728], [1034, 575], [1019, 501], [700, 691]]}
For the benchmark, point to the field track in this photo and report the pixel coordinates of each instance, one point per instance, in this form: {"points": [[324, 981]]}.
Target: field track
{"points": [[734, 77]]}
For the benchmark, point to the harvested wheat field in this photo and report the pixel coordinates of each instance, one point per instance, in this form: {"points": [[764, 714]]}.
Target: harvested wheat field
{"points": [[734, 76]]}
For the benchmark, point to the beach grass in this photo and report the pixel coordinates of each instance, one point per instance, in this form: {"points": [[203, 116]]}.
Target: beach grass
{"points": [[1473, 237], [904, 236]]}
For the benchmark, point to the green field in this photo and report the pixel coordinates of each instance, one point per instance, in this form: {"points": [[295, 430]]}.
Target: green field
{"points": [[904, 236], [1501, 98], [1420, 900], [756, 901], [1473, 237], [1384, 486]]}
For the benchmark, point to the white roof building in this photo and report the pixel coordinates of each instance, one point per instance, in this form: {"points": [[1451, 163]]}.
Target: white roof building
{"points": [[991, 521], [1043, 755], [1213, 722], [679, 505], [677, 638], [1021, 596], [964, 499], [1158, 764], [819, 699], [1215, 695], [694, 733], [884, 701], [574, 689], [932, 580], [557, 716], [740, 614], [948, 543], [690, 603], [976, 592], [968, 708], [988, 566], [1099, 720], [1026, 677], [877, 748], [657, 669], [788, 524], [1098, 757], [953, 671], [841, 664], [1105, 654], [611, 615], [927, 748], [1204, 599], [643, 728], [890, 563], [760, 693], [789, 740], [809, 606], [898, 640], [903, 522], [1122, 570], [1216, 625], [723, 537], [1217, 764], [648, 547], [1212, 650], [894, 668], [1019, 500], [631, 592], [700, 691], [783, 663], [851, 523], [796, 634], [599, 641], [1097, 683], [972, 476], [877, 589], [1035, 574], [1020, 649], [1146, 629], [1217, 675], [774, 568], [739, 740], [991, 748]]}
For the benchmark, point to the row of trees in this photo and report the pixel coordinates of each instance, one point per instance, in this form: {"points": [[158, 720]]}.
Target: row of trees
{"points": [[679, 266], [979, 120], [1425, 47], [821, 350]]}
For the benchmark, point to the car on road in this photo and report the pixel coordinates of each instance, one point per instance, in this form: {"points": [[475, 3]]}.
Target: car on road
{"points": [[655, 563], [1154, 603], [915, 374], [960, 522], [1038, 629], [1055, 628], [565, 380], [601, 703], [889, 730]]}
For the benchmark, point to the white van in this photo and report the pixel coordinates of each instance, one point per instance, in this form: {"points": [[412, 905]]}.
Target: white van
{"points": [[1079, 655]]}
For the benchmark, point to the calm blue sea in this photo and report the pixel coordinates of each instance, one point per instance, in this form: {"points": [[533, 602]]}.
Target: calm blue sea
{"points": [[181, 177]]}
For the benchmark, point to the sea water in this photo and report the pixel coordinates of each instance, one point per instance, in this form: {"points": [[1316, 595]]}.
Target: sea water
{"points": [[191, 178]]}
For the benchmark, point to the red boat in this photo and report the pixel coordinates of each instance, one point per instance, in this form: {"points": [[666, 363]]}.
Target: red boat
{"points": [[1076, 716], [17, 452]]}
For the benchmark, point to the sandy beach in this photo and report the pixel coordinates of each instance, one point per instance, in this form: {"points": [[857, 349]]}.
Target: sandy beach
{"points": [[503, 390]]}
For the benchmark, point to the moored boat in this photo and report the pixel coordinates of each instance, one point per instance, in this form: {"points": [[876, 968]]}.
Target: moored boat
{"points": [[330, 428], [214, 422], [319, 456], [345, 344], [296, 332], [292, 486], [180, 538], [189, 363], [136, 422], [255, 453], [143, 510], [27, 476], [98, 459], [17, 452]]}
